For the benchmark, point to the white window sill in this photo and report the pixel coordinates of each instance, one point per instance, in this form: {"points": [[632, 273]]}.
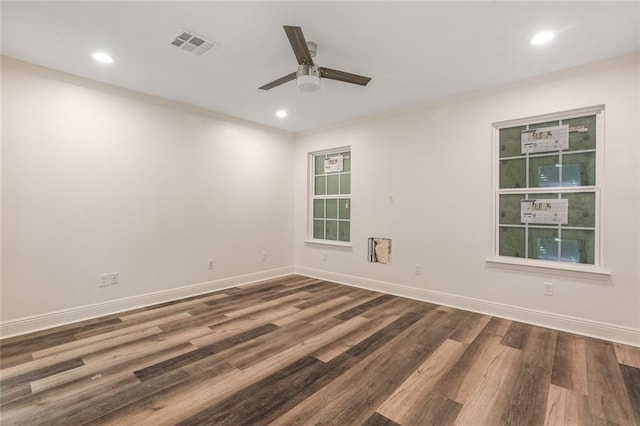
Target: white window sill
{"points": [[329, 243], [548, 267]]}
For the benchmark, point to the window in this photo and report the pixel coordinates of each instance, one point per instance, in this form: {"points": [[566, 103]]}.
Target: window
{"points": [[331, 196], [548, 193]]}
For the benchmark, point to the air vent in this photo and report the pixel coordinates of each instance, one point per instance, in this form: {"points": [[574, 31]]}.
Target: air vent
{"points": [[191, 42]]}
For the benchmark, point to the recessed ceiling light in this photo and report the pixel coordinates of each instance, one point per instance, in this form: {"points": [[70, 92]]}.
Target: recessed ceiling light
{"points": [[102, 57], [281, 113], [542, 38]]}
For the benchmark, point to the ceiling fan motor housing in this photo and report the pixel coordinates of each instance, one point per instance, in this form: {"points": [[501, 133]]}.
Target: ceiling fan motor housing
{"points": [[308, 78]]}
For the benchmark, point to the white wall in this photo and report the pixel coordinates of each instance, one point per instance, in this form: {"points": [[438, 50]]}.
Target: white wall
{"points": [[435, 161], [98, 179]]}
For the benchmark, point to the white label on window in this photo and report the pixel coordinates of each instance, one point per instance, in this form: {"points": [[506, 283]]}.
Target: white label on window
{"points": [[545, 139], [333, 164], [548, 210]]}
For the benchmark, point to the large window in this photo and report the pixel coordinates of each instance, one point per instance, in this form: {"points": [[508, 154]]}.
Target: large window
{"points": [[548, 193], [330, 196]]}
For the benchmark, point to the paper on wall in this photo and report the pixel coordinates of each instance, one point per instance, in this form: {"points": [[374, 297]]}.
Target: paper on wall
{"points": [[544, 139], [333, 164], [550, 211]]}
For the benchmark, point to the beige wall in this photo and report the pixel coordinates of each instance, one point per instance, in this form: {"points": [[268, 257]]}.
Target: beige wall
{"points": [[98, 179], [436, 163]]}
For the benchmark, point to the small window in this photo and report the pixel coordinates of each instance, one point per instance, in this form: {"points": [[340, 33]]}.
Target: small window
{"points": [[330, 204], [548, 188]]}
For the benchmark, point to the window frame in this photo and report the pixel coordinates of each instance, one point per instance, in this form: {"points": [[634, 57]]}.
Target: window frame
{"points": [[520, 263], [311, 196]]}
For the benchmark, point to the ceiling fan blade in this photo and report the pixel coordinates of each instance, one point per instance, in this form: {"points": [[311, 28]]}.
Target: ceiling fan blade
{"points": [[279, 81], [299, 45], [347, 77]]}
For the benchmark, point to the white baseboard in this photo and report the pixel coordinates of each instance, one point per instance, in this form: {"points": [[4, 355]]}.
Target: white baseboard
{"points": [[611, 332], [600, 330], [81, 313]]}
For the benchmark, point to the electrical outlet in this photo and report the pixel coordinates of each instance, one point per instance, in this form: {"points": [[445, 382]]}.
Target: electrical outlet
{"points": [[264, 256], [418, 269], [211, 264], [324, 256], [548, 289], [114, 278], [104, 280]]}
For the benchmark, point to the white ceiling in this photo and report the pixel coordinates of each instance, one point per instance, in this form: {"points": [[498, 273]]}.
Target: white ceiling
{"points": [[414, 52]]}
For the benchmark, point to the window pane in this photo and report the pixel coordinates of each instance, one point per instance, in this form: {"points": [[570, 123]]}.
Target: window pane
{"points": [[318, 209], [585, 242], [319, 167], [346, 161], [513, 173], [345, 183], [579, 169], [510, 141], [579, 140], [510, 209], [320, 185], [511, 241], [332, 184], [332, 209], [344, 231], [344, 208], [543, 243], [318, 229], [582, 209], [543, 171], [332, 230]]}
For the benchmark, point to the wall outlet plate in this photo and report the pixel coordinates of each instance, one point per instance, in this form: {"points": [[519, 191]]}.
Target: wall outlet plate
{"points": [[548, 289], [211, 264], [104, 280], [114, 278]]}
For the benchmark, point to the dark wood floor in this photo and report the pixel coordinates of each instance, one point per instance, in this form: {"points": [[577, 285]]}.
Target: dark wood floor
{"points": [[297, 350]]}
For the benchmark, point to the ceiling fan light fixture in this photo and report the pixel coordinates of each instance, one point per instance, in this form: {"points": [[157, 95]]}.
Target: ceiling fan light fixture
{"points": [[308, 78], [308, 83]]}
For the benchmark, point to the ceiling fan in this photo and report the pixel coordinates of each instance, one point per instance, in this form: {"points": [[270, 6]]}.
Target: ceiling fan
{"points": [[308, 75]]}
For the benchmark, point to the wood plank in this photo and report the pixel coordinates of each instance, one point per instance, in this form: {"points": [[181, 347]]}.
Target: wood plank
{"points": [[379, 420], [235, 326], [339, 346], [202, 352], [532, 378], [256, 350], [516, 335], [627, 355], [378, 374], [329, 305], [360, 309], [566, 407], [255, 404], [99, 339], [570, 363], [406, 404], [490, 390], [459, 381], [607, 391], [631, 377], [470, 328]]}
